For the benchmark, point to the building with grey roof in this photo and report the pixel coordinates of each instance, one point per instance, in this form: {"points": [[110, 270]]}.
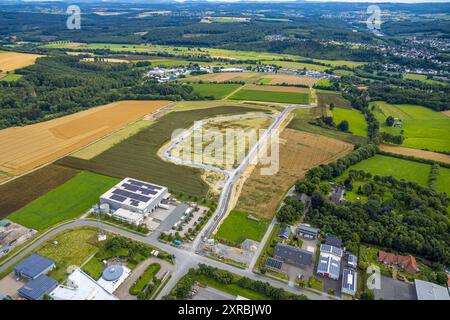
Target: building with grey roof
{"points": [[285, 232], [430, 291], [33, 266], [333, 241], [349, 281], [37, 288], [337, 194], [293, 255], [352, 261], [308, 232], [329, 264]]}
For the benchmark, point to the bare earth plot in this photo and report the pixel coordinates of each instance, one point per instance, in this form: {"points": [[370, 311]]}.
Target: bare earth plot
{"points": [[299, 151], [14, 60], [290, 79], [277, 88], [25, 148], [435, 156]]}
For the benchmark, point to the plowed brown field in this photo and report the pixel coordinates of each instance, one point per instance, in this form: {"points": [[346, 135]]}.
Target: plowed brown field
{"points": [[299, 151], [277, 89], [25, 148]]}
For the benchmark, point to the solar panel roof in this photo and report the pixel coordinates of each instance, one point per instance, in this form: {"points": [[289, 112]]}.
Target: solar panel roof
{"points": [[117, 198], [274, 263]]}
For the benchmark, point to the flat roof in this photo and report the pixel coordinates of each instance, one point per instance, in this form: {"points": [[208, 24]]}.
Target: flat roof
{"points": [[134, 193], [308, 229], [33, 265], [81, 287], [328, 264], [430, 291], [127, 214], [349, 280]]}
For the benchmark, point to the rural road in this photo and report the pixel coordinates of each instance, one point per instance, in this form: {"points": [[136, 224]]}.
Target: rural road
{"points": [[183, 259]]}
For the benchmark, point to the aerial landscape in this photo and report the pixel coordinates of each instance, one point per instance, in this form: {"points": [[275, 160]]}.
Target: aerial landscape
{"points": [[224, 150]]}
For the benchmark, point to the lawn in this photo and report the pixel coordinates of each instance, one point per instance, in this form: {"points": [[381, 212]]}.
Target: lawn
{"points": [[216, 90], [389, 166], [357, 122], [145, 278], [232, 289], [67, 201], [271, 96], [423, 128], [237, 227], [443, 181], [11, 77], [70, 248]]}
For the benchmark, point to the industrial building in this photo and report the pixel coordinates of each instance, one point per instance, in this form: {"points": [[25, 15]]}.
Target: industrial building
{"points": [[134, 195], [34, 266], [128, 216], [349, 281], [329, 261], [37, 288], [113, 276], [430, 291], [292, 255], [80, 286]]}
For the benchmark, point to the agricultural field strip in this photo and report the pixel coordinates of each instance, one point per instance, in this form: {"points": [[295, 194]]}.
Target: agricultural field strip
{"points": [[197, 126], [32, 146]]}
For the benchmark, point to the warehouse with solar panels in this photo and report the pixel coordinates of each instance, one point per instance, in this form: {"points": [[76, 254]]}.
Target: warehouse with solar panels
{"points": [[134, 195]]}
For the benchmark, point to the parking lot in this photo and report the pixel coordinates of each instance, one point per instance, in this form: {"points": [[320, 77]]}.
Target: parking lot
{"points": [[9, 285], [392, 289]]}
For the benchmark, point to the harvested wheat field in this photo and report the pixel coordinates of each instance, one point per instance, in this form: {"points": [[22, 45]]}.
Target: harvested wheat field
{"points": [[220, 77], [447, 113], [277, 89], [10, 61], [288, 79], [299, 151], [435, 156], [25, 148]]}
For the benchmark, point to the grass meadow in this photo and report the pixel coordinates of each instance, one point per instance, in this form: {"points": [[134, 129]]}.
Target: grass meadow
{"points": [[65, 202], [357, 122], [271, 96], [423, 128], [237, 227], [216, 90]]}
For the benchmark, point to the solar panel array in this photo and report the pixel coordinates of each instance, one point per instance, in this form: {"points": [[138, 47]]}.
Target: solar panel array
{"points": [[331, 249], [274, 263], [329, 265], [349, 279]]}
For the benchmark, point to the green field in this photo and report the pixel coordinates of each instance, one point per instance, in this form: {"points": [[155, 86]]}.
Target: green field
{"points": [[423, 128], [145, 278], [389, 166], [70, 248], [443, 181], [271, 96], [11, 77], [137, 156], [237, 227], [216, 90], [421, 77], [357, 122], [325, 98], [67, 201]]}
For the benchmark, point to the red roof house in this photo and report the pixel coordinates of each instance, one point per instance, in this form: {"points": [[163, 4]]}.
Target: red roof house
{"points": [[407, 263]]}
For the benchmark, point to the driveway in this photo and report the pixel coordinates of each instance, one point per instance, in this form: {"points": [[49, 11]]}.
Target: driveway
{"points": [[392, 289], [122, 292]]}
